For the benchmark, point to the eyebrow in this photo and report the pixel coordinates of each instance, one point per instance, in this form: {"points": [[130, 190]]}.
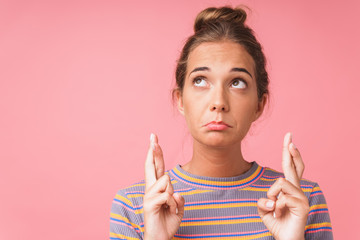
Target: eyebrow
{"points": [[232, 70]]}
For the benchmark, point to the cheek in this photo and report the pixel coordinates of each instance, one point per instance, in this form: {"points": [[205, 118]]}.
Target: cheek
{"points": [[193, 110], [245, 110]]}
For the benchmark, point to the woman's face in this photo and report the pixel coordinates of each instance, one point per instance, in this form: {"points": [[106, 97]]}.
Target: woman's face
{"points": [[219, 98]]}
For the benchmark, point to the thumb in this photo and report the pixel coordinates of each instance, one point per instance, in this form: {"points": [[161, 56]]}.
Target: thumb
{"points": [[266, 208], [180, 204]]}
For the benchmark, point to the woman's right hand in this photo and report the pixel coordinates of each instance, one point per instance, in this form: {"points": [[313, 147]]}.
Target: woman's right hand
{"points": [[163, 209]]}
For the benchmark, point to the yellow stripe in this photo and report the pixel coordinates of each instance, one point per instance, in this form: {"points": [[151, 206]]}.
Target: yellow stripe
{"points": [[121, 198], [254, 189], [135, 195], [313, 207], [118, 235], [216, 206], [195, 192], [316, 189], [140, 211], [268, 180], [136, 185], [119, 217], [317, 225], [220, 222], [219, 183]]}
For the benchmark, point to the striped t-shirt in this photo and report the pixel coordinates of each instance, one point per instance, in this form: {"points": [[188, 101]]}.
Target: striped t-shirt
{"points": [[217, 208]]}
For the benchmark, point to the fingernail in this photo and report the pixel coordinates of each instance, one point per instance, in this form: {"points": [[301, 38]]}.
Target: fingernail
{"points": [[293, 145], [151, 137], [153, 145], [270, 204]]}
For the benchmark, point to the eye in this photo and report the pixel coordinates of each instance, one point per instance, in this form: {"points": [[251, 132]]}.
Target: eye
{"points": [[238, 83], [199, 82]]}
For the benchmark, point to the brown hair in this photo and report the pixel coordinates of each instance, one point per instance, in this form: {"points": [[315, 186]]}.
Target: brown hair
{"points": [[218, 24]]}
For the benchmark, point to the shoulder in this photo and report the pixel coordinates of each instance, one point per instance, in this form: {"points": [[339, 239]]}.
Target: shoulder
{"points": [[133, 192], [131, 197], [308, 186]]}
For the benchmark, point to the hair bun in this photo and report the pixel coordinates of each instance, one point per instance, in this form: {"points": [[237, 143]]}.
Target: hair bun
{"points": [[226, 14]]}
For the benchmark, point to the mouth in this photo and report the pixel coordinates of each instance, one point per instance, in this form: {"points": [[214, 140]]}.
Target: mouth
{"points": [[217, 126]]}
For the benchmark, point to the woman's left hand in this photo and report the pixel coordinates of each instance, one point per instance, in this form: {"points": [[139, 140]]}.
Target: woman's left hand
{"points": [[286, 209]]}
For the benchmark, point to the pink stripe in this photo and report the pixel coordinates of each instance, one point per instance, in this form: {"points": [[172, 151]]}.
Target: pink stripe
{"points": [[135, 192], [319, 230], [138, 206], [207, 218], [315, 194], [257, 185], [209, 234], [123, 224], [142, 192], [184, 189], [272, 177], [119, 203], [325, 211], [214, 201]]}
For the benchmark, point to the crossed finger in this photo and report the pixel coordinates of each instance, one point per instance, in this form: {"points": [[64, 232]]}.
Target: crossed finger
{"points": [[292, 163], [154, 163]]}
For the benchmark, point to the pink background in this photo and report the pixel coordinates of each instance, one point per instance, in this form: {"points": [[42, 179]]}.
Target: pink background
{"points": [[84, 83]]}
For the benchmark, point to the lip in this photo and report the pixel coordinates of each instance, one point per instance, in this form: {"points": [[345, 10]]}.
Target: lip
{"points": [[217, 126]]}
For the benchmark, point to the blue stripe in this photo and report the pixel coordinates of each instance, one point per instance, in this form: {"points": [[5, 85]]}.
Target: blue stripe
{"points": [[220, 235], [312, 229], [320, 209], [118, 220], [210, 185], [260, 186], [135, 193], [117, 200], [316, 192]]}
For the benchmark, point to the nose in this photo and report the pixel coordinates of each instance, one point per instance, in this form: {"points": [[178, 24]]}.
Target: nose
{"points": [[219, 102]]}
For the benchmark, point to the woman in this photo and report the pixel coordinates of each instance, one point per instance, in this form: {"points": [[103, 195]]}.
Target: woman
{"points": [[222, 88]]}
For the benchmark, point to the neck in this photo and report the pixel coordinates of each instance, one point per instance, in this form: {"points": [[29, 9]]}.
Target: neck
{"points": [[217, 162]]}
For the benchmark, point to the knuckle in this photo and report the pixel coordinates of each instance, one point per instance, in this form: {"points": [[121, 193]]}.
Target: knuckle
{"points": [[284, 198], [281, 181], [307, 208], [167, 177], [166, 195]]}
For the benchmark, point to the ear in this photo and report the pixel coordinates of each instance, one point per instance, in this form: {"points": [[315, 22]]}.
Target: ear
{"points": [[179, 100], [261, 106]]}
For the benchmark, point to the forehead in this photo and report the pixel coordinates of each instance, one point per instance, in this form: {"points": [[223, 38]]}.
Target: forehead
{"points": [[223, 55]]}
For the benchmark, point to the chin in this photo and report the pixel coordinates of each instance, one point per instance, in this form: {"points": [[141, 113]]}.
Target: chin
{"points": [[218, 139]]}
